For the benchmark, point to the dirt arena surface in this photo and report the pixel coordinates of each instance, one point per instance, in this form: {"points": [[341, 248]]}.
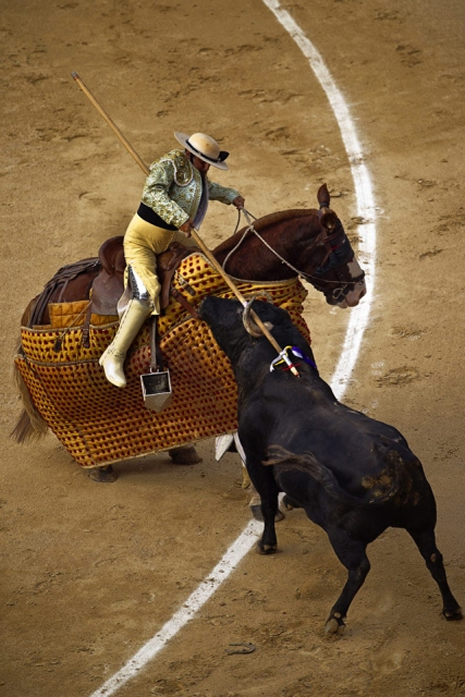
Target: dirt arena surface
{"points": [[91, 572]]}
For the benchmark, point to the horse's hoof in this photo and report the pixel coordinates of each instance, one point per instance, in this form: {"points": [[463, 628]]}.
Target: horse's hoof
{"points": [[103, 474], [184, 455], [454, 615]]}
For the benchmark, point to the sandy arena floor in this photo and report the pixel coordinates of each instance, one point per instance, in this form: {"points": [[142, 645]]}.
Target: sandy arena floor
{"points": [[91, 572]]}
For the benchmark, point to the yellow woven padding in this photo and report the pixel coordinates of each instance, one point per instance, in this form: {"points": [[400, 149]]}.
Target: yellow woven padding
{"points": [[67, 314], [100, 320], [196, 279], [98, 423], [73, 314]]}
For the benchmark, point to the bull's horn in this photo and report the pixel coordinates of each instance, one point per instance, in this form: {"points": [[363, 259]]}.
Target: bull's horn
{"points": [[250, 326]]}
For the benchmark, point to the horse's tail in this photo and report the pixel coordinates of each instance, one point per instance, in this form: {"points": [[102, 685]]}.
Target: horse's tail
{"points": [[30, 425]]}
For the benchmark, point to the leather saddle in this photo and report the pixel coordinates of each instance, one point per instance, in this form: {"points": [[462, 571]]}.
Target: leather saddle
{"points": [[108, 286], [103, 283]]}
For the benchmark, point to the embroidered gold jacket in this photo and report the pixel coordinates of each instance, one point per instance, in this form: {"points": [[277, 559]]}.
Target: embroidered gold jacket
{"points": [[173, 189]]}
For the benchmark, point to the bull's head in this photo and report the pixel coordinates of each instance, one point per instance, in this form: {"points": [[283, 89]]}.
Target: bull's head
{"points": [[234, 333]]}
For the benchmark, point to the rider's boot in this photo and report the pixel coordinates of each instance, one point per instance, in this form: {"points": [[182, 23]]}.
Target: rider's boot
{"points": [[112, 360]]}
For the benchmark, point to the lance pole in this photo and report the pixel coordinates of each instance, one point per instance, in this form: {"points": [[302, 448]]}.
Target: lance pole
{"points": [[111, 123]]}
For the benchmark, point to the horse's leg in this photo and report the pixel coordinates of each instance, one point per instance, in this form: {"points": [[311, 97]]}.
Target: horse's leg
{"points": [[103, 474], [184, 455], [425, 541]]}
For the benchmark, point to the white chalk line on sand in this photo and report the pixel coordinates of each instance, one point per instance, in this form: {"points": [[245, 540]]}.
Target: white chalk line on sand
{"points": [[196, 600], [355, 329]]}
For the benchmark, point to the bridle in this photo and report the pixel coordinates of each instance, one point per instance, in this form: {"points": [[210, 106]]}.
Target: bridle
{"points": [[323, 238]]}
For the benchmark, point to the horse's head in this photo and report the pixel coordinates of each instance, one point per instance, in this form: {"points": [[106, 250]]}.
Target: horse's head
{"points": [[338, 274], [308, 243]]}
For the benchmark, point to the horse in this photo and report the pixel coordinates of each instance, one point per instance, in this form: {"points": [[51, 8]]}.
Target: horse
{"points": [[309, 244]]}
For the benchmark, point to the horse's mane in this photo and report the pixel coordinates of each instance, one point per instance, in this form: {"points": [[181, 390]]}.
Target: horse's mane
{"points": [[274, 218], [265, 222]]}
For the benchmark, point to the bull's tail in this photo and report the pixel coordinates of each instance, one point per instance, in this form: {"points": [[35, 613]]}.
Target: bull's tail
{"points": [[30, 425], [376, 492]]}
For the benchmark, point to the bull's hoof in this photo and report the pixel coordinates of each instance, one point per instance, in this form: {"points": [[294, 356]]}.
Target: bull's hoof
{"points": [[289, 504], [266, 549], [185, 455], [103, 474], [335, 626], [256, 511], [453, 615]]}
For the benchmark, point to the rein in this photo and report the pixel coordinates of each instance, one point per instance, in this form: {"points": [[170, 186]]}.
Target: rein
{"points": [[324, 239], [248, 216]]}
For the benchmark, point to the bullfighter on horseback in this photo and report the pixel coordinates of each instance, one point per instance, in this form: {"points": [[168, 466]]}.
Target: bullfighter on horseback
{"points": [[174, 201]]}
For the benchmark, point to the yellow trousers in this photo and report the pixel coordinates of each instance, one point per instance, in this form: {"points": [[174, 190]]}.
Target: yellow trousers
{"points": [[142, 243]]}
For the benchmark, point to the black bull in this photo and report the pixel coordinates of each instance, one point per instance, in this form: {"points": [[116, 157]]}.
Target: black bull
{"points": [[353, 475]]}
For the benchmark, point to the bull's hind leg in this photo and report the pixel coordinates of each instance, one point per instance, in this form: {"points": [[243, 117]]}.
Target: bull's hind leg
{"points": [[425, 541], [353, 555]]}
